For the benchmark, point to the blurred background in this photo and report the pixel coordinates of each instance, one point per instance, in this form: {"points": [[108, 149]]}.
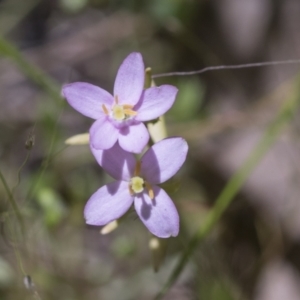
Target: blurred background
{"points": [[253, 252]]}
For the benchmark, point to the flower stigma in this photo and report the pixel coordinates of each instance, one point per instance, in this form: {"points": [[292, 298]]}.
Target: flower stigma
{"points": [[137, 183], [120, 112]]}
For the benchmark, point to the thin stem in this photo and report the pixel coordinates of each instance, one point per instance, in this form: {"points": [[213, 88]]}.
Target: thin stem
{"points": [[148, 78], [46, 161], [157, 129], [229, 67], [12, 201], [19, 259], [19, 171], [234, 185]]}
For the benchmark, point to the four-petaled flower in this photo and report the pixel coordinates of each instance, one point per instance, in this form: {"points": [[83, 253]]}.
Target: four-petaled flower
{"points": [[120, 117], [137, 182]]}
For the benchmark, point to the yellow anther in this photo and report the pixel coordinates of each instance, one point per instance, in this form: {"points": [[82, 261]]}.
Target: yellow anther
{"points": [[131, 192], [127, 106], [150, 190], [105, 109], [130, 112]]}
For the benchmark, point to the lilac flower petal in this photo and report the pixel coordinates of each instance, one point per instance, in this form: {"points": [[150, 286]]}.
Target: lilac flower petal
{"points": [[155, 102], [103, 134], [129, 82], [134, 138], [159, 215], [163, 159], [109, 203], [87, 98], [116, 162]]}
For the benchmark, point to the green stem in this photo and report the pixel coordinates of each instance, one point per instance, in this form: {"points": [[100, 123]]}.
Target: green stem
{"points": [[19, 172], [42, 80], [148, 78], [234, 185], [13, 203], [33, 188]]}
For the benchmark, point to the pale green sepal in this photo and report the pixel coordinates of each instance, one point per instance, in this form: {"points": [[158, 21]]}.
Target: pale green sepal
{"points": [[109, 227], [158, 248], [78, 139]]}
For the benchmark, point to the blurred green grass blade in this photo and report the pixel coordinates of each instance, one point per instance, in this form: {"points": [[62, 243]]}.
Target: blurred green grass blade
{"points": [[47, 84], [52, 206], [12, 12], [29, 70], [270, 135], [12, 202]]}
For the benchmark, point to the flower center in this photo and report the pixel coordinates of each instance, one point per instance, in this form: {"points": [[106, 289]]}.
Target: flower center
{"points": [[120, 112], [137, 183]]}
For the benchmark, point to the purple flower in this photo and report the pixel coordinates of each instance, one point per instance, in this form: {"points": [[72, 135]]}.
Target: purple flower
{"points": [[120, 117], [137, 182]]}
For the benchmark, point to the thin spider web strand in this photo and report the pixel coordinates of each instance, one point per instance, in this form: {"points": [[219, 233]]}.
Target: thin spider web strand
{"points": [[228, 67]]}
